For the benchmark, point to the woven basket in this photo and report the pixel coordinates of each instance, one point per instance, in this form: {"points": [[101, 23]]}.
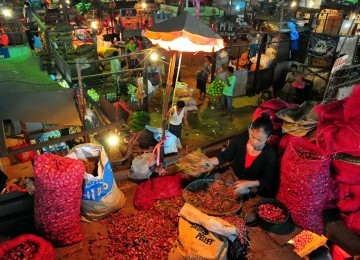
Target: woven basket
{"points": [[203, 185]]}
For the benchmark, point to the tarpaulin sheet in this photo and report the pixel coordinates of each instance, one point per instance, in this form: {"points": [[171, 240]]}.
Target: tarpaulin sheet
{"points": [[51, 107]]}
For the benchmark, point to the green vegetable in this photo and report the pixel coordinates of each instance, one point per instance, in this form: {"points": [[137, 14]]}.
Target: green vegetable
{"points": [[215, 88], [139, 119]]}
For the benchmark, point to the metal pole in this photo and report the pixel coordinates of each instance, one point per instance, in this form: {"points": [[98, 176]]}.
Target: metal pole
{"points": [[213, 65], [254, 85], [94, 34]]}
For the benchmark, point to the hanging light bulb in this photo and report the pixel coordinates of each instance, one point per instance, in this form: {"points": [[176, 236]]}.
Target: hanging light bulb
{"points": [[293, 4], [311, 4]]}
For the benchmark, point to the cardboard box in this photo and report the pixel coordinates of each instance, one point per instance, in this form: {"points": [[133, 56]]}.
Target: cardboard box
{"points": [[19, 170]]}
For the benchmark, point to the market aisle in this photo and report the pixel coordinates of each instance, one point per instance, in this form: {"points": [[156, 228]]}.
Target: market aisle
{"points": [[23, 74]]}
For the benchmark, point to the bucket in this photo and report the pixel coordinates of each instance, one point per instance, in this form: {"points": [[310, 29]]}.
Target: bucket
{"points": [[280, 228]]}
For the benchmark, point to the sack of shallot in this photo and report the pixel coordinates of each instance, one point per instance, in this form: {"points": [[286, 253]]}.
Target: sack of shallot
{"points": [[58, 194]]}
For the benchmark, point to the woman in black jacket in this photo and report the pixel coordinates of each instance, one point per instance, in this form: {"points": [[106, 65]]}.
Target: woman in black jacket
{"points": [[253, 159]]}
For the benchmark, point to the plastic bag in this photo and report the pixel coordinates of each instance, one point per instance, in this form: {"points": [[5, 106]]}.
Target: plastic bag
{"points": [[140, 166], [24, 156], [101, 196]]}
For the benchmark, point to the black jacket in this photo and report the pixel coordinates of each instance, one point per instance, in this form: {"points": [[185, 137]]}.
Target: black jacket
{"points": [[261, 169]]}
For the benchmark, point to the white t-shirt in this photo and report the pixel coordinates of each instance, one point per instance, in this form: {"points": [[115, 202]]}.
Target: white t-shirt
{"points": [[175, 118]]}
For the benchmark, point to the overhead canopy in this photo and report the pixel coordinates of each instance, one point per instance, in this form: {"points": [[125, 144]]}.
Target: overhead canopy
{"points": [[184, 33], [51, 107]]}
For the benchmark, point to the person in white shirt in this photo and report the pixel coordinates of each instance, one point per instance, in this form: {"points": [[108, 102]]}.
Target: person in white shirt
{"points": [[115, 68], [176, 116]]}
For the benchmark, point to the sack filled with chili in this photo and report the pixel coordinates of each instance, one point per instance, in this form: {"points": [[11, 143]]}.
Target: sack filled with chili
{"points": [[305, 183]]}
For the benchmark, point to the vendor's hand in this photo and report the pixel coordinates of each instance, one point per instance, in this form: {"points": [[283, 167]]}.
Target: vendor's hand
{"points": [[213, 161], [241, 187]]}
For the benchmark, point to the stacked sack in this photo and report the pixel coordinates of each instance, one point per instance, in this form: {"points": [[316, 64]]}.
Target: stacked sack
{"points": [[347, 175], [338, 133], [182, 93]]}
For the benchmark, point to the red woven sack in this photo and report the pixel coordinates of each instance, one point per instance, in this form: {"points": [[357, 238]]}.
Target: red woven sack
{"points": [[353, 222], [351, 106], [58, 185], [41, 249], [330, 111], [349, 204], [305, 182], [154, 189], [284, 142], [276, 122], [274, 104], [355, 189], [24, 156], [346, 172]]}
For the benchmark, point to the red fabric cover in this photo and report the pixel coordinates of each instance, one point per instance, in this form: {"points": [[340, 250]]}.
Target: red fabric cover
{"points": [[304, 185], [349, 197], [343, 191], [351, 106], [284, 142], [270, 107], [45, 249], [355, 189], [157, 188], [350, 204], [331, 111], [274, 104], [339, 125], [276, 122], [346, 172], [353, 222], [339, 254]]}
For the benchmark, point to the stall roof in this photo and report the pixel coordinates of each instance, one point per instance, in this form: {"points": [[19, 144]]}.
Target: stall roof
{"points": [[51, 107]]}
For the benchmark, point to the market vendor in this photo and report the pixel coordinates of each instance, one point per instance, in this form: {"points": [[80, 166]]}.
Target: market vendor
{"points": [[253, 160], [176, 116]]}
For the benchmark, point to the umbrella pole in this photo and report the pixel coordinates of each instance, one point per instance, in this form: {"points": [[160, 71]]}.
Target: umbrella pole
{"points": [[166, 99], [177, 78]]}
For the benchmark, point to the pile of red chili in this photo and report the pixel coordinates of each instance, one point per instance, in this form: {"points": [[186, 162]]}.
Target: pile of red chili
{"points": [[144, 234], [270, 212], [217, 198], [26, 246]]}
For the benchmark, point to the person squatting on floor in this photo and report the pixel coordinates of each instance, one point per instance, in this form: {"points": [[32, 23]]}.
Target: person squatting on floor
{"points": [[289, 90], [228, 92]]}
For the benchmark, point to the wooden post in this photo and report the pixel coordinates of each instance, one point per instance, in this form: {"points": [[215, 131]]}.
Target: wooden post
{"points": [[181, 4], [145, 81], [167, 97]]}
